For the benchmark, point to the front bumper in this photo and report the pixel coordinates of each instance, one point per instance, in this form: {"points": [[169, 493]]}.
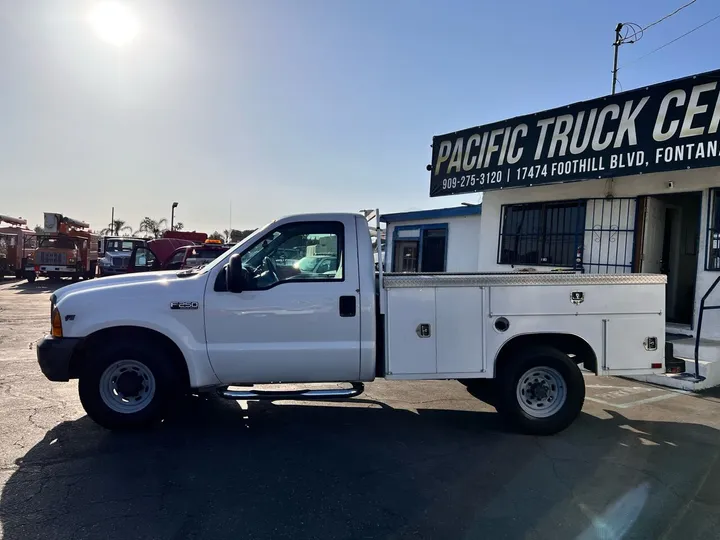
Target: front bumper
{"points": [[54, 356], [53, 270], [112, 271]]}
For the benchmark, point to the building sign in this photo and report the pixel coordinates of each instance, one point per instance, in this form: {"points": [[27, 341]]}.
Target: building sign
{"points": [[664, 127]]}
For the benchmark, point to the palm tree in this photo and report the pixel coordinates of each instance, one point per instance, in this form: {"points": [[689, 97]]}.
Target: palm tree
{"points": [[152, 227], [116, 227]]}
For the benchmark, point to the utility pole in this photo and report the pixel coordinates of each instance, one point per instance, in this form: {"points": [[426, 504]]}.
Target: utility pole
{"points": [[112, 221], [616, 45]]}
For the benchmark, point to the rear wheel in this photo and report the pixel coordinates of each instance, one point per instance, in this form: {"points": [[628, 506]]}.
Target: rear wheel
{"points": [[541, 391], [127, 385]]}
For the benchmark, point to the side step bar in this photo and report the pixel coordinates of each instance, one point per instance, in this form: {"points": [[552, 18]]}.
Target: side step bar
{"points": [[320, 394]]}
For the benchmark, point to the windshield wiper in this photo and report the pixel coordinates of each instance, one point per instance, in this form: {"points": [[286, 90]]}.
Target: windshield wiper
{"points": [[190, 271]]}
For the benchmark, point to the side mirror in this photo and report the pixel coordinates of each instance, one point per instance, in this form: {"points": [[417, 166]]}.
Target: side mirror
{"points": [[235, 274]]}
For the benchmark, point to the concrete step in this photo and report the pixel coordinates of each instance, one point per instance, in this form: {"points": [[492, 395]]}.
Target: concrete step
{"points": [[709, 349], [706, 368], [684, 351], [681, 381]]}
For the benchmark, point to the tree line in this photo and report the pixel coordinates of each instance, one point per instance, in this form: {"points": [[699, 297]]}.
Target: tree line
{"points": [[155, 228]]}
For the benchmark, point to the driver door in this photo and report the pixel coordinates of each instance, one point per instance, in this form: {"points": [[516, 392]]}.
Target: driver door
{"points": [[288, 327], [142, 259]]}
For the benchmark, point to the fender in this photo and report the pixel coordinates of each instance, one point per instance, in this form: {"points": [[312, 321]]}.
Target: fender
{"points": [[145, 304]]}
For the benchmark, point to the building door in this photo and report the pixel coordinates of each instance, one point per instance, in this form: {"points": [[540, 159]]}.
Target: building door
{"points": [[653, 236], [670, 227]]}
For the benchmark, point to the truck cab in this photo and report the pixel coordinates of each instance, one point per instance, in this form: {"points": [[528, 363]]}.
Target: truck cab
{"points": [[115, 254], [15, 240], [68, 248]]}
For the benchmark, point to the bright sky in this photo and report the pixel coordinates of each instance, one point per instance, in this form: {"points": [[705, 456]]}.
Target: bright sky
{"points": [[286, 106]]}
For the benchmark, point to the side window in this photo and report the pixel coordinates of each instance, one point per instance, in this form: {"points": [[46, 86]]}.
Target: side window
{"points": [[420, 248], [296, 253], [176, 262]]}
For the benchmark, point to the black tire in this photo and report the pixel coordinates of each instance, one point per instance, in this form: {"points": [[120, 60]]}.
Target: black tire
{"points": [[554, 362], [92, 272], [154, 359], [31, 278]]}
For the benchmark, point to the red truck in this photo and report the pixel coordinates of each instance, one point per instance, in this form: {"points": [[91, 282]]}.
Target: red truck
{"points": [[17, 243], [174, 254]]}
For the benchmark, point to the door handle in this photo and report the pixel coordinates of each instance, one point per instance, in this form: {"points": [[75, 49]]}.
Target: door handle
{"points": [[348, 306]]}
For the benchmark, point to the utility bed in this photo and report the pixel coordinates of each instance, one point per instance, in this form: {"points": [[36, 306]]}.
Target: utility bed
{"points": [[469, 318]]}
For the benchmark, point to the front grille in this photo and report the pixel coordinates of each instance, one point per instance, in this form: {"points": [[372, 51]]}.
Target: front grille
{"points": [[52, 257], [120, 262]]}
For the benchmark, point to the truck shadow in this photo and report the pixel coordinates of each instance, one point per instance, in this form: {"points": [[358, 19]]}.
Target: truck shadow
{"points": [[42, 285], [364, 471]]}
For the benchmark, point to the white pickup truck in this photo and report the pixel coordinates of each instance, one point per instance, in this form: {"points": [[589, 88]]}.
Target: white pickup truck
{"points": [[517, 340]]}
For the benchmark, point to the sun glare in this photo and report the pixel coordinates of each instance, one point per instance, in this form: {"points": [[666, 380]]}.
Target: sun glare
{"points": [[114, 23]]}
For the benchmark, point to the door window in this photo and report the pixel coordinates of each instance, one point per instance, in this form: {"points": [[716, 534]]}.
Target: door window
{"points": [[276, 258], [144, 258]]}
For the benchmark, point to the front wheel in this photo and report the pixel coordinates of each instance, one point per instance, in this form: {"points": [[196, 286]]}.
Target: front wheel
{"points": [[127, 386], [542, 391], [31, 278]]}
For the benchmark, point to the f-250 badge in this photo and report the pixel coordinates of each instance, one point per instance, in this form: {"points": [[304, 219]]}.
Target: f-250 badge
{"points": [[577, 297], [184, 305]]}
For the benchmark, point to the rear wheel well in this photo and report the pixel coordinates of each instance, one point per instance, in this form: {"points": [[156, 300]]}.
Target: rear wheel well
{"points": [[577, 348], [131, 333]]}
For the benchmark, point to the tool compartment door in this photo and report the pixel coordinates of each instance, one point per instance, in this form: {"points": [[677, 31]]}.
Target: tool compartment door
{"points": [[633, 344], [460, 343], [411, 335]]}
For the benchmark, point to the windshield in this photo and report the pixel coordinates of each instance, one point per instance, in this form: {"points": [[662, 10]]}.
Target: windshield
{"points": [[249, 240], [61, 242], [122, 245]]}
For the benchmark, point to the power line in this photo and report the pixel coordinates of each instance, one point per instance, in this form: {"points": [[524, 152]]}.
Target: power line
{"points": [[678, 10], [637, 32], [672, 41]]}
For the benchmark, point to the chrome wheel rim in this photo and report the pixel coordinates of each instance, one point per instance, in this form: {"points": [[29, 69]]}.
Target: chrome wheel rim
{"points": [[127, 386], [541, 392]]}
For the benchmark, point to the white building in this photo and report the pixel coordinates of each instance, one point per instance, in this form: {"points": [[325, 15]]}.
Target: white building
{"points": [[442, 240], [625, 183]]}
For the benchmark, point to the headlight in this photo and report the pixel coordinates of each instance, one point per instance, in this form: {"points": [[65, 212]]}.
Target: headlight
{"points": [[56, 324]]}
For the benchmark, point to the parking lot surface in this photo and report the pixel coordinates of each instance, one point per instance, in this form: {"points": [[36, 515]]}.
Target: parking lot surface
{"points": [[404, 460]]}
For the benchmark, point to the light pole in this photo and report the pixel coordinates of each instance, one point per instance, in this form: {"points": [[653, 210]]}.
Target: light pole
{"points": [[172, 216]]}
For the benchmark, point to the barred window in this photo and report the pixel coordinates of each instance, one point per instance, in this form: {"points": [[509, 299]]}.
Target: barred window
{"points": [[542, 234], [713, 237]]}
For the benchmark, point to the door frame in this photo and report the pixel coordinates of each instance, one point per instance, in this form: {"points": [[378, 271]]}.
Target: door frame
{"points": [[640, 236]]}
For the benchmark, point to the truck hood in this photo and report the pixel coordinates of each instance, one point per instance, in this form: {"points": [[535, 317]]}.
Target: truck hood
{"points": [[113, 281]]}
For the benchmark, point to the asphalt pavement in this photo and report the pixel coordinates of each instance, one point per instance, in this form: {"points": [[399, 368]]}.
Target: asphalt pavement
{"points": [[420, 460]]}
